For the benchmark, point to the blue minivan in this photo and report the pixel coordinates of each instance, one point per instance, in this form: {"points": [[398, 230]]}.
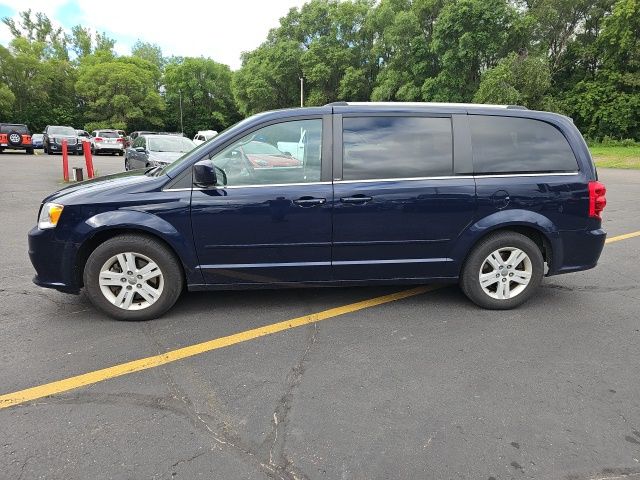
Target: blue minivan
{"points": [[492, 197]]}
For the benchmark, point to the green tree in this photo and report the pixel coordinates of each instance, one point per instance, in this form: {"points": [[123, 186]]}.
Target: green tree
{"points": [[7, 98], [405, 32], [469, 37], [150, 52], [204, 86], [269, 77], [516, 80], [120, 93], [607, 102]]}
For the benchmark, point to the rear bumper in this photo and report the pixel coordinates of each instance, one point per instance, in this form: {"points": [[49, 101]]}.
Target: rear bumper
{"points": [[576, 250], [53, 261], [109, 147]]}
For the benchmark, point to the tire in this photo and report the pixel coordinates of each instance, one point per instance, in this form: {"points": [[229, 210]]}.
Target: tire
{"points": [[14, 138], [139, 249], [29, 151], [121, 153], [514, 282]]}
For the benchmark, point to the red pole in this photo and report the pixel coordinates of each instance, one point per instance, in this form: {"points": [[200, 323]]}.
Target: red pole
{"points": [[86, 146], [65, 161]]}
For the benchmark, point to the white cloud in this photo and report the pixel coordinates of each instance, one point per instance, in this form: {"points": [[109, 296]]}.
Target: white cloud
{"points": [[217, 29]]}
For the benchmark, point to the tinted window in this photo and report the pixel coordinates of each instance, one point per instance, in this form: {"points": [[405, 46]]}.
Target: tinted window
{"points": [[519, 145], [21, 129], [104, 134], [396, 147], [288, 152], [62, 131]]}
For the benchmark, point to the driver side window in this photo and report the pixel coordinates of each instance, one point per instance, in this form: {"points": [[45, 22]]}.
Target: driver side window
{"points": [[288, 152]]}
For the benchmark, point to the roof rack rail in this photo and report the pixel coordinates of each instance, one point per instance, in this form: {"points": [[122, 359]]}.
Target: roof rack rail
{"points": [[426, 104]]}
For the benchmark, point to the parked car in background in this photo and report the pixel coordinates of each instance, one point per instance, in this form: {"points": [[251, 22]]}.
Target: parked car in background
{"points": [[84, 135], [107, 141], [137, 133], [156, 151], [53, 136], [177, 134], [15, 136], [36, 140], [204, 135]]}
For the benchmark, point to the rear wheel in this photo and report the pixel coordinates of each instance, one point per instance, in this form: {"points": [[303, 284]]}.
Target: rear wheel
{"points": [[133, 277], [503, 271]]}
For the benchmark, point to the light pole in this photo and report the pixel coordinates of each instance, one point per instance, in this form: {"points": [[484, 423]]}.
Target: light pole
{"points": [[181, 124], [301, 91]]}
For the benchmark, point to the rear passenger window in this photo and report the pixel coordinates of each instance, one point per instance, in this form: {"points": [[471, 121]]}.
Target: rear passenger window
{"points": [[396, 147], [519, 145]]}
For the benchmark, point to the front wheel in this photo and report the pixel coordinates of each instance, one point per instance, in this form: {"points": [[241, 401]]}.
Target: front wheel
{"points": [[502, 271], [133, 277]]}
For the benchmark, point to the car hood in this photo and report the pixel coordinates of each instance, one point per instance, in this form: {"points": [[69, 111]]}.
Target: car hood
{"points": [[134, 181], [165, 157]]}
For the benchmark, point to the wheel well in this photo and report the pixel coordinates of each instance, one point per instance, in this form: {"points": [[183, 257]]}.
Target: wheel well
{"points": [[87, 248], [534, 234]]}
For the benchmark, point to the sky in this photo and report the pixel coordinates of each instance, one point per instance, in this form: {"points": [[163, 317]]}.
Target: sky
{"points": [[221, 30]]}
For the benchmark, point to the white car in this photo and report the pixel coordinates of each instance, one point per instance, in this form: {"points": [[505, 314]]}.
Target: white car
{"points": [[107, 141], [204, 135]]}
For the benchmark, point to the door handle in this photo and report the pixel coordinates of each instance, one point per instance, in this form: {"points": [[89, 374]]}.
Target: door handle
{"points": [[357, 199], [306, 202]]}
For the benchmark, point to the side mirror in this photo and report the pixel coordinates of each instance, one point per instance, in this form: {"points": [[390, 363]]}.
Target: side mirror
{"points": [[204, 174]]}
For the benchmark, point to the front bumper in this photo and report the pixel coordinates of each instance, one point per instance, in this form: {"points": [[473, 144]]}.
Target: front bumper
{"points": [[53, 260], [56, 147]]}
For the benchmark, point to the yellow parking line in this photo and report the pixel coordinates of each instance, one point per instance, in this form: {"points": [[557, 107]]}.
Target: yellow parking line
{"points": [[622, 237], [40, 391]]}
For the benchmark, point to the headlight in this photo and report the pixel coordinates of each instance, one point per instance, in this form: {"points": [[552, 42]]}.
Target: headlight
{"points": [[49, 215]]}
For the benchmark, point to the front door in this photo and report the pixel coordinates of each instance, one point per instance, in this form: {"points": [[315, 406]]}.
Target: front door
{"points": [[398, 205], [269, 218]]}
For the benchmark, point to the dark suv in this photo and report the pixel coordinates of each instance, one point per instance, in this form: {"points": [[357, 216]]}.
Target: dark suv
{"points": [[15, 136], [346, 194], [53, 136]]}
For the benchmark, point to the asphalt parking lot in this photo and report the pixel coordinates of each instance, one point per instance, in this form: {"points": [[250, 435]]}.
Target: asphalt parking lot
{"points": [[427, 387]]}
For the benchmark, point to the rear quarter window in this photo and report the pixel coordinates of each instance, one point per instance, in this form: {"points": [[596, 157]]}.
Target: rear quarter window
{"points": [[519, 145]]}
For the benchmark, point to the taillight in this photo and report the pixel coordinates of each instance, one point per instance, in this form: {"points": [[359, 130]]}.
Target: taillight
{"points": [[121, 140], [98, 139], [597, 199]]}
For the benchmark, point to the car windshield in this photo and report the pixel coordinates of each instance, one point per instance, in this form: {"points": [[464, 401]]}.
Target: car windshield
{"points": [[170, 144], [36, 136], [22, 129], [62, 131], [107, 134], [260, 148], [221, 137]]}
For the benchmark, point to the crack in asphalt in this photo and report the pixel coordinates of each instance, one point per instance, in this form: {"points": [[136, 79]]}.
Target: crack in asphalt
{"points": [[221, 439], [277, 457]]}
